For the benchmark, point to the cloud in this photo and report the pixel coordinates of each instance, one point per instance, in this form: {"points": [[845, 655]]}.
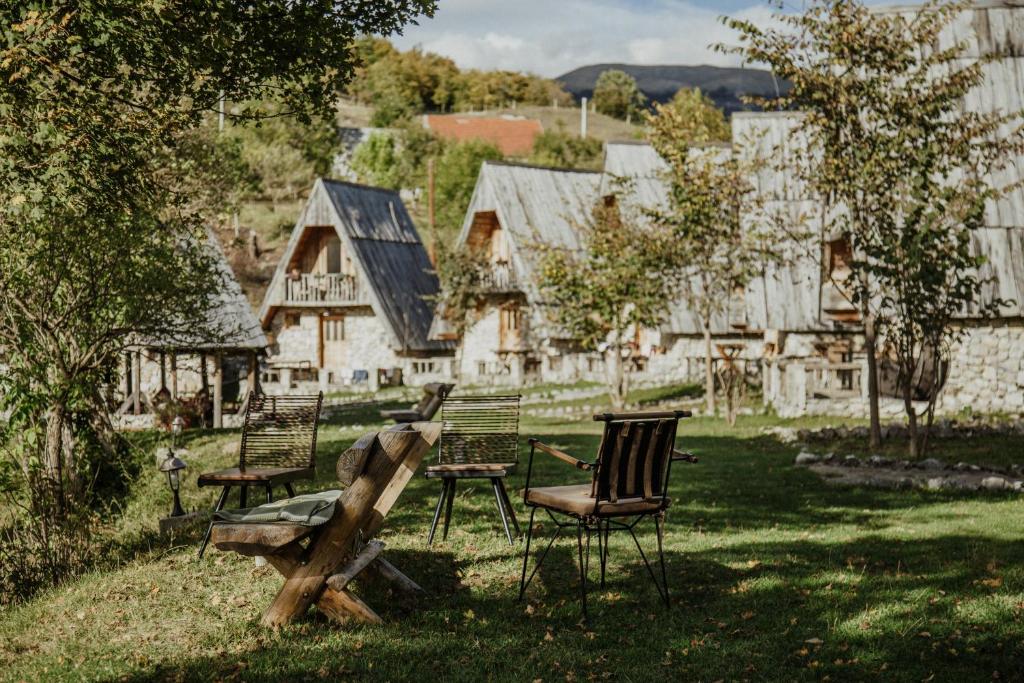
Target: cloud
{"points": [[550, 38]]}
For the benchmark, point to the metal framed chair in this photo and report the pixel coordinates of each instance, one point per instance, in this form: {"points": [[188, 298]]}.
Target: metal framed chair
{"points": [[629, 483], [424, 411], [278, 447], [479, 440]]}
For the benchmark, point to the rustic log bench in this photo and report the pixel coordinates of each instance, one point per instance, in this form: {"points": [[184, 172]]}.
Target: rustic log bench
{"points": [[319, 562]]}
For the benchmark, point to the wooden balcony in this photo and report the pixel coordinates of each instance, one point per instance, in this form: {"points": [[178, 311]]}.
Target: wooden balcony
{"points": [[329, 289], [499, 278]]}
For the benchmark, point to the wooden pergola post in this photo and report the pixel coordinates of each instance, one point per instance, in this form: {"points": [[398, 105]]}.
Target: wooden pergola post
{"points": [[252, 379], [163, 371], [137, 382], [218, 391], [174, 376], [205, 384]]}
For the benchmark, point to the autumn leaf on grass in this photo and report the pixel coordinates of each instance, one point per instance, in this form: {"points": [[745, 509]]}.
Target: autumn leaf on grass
{"points": [[995, 582]]}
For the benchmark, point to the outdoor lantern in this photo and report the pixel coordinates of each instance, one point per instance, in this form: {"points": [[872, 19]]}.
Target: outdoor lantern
{"points": [[173, 465]]}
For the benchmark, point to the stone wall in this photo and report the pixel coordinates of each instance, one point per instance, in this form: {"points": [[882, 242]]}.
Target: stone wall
{"points": [[986, 375]]}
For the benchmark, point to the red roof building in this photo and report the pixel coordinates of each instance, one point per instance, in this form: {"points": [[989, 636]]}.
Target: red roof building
{"points": [[513, 136]]}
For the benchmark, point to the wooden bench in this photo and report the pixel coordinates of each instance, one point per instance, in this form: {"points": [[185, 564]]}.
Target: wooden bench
{"points": [[319, 562]]}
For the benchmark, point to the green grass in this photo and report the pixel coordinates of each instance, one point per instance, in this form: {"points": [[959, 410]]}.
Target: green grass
{"points": [[773, 577]]}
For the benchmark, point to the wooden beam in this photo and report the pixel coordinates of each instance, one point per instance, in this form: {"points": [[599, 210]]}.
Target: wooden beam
{"points": [[390, 573], [137, 382], [342, 606], [174, 376], [218, 391], [346, 574], [257, 539]]}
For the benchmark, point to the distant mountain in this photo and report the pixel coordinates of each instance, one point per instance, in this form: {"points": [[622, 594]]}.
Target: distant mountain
{"points": [[659, 83]]}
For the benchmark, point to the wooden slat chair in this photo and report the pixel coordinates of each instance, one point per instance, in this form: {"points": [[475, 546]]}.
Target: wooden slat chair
{"points": [[629, 481], [479, 440], [424, 411], [278, 447], [319, 562]]}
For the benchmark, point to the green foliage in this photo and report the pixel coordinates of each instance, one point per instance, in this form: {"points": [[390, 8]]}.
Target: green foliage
{"points": [[455, 178], [900, 166], [460, 272], [690, 118], [282, 154], [399, 85], [560, 149], [613, 286], [617, 94], [399, 160], [106, 185]]}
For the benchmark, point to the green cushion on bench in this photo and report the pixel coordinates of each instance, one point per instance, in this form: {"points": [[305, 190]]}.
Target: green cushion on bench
{"points": [[309, 509]]}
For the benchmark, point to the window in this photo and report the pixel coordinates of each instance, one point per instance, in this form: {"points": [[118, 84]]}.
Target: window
{"points": [[334, 329], [481, 368], [291, 320], [555, 363], [839, 254], [423, 367], [510, 319], [333, 256]]}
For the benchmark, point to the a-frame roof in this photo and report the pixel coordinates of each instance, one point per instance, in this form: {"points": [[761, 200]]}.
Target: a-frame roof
{"points": [[393, 265]]}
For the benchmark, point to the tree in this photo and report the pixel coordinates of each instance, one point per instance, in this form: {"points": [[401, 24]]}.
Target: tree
{"points": [[462, 290], [718, 248], [616, 94], [457, 169], [101, 239], [613, 286], [689, 118], [899, 166], [559, 149]]}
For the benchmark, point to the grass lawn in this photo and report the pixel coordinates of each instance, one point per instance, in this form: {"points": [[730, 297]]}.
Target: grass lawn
{"points": [[773, 577]]}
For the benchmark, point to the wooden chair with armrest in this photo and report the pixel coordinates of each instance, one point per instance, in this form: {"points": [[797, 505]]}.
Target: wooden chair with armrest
{"points": [[628, 484]]}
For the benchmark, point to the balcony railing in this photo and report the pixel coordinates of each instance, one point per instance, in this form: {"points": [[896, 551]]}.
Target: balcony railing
{"points": [[499, 277], [327, 288]]}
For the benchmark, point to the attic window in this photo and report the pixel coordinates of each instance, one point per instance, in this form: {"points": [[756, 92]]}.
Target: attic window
{"points": [[838, 255], [609, 200]]}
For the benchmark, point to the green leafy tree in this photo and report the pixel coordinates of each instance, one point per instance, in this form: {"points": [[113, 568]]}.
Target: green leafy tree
{"points": [[616, 284], [689, 118], [560, 149], [718, 248], [462, 291], [898, 164], [617, 94], [101, 238], [455, 178]]}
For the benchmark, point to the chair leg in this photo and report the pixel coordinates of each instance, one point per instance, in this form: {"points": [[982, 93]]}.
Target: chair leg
{"points": [[526, 554], [219, 506], [580, 526], [243, 497], [495, 484], [270, 493], [508, 506], [437, 510], [654, 579], [602, 546], [448, 508], [660, 523], [290, 490]]}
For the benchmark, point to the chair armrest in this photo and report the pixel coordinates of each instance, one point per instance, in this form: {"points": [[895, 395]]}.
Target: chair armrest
{"points": [[680, 456], [564, 457]]}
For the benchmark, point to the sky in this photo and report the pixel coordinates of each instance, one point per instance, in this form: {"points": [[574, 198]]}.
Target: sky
{"points": [[551, 37]]}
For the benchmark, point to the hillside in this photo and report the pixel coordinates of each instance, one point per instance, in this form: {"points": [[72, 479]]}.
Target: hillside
{"points": [[723, 85]]}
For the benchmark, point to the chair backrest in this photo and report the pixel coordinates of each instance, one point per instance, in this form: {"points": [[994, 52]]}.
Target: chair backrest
{"points": [[433, 395], [479, 430], [280, 431], [635, 455]]}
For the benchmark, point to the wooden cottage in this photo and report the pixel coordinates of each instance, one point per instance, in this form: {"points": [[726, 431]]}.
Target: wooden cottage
{"points": [[350, 301], [813, 346]]}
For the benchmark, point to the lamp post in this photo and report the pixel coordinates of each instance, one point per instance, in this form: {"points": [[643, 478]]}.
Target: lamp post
{"points": [[173, 465]]}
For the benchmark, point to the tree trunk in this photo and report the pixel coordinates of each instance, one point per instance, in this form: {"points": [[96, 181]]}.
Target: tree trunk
{"points": [[870, 340], [616, 377], [709, 370], [54, 458], [908, 405]]}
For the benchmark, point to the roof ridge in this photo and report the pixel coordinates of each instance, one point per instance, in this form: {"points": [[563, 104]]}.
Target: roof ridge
{"points": [[538, 167]]}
